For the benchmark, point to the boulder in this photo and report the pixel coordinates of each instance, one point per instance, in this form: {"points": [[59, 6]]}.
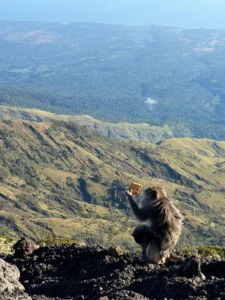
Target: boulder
{"points": [[23, 247], [10, 287], [115, 251]]}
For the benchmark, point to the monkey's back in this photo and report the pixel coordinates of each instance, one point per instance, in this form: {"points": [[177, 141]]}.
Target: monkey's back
{"points": [[168, 224]]}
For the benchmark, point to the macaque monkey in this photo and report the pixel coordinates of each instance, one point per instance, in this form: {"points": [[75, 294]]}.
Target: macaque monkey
{"points": [[159, 236]]}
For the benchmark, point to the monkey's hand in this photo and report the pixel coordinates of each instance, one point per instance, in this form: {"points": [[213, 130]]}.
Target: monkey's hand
{"points": [[129, 193]]}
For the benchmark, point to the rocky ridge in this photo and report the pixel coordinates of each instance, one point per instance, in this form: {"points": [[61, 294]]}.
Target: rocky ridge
{"points": [[71, 272]]}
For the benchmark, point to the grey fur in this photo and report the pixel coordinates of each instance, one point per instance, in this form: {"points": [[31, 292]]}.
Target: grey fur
{"points": [[164, 223]]}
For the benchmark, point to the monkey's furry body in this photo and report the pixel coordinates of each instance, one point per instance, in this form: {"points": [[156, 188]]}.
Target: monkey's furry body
{"points": [[160, 235]]}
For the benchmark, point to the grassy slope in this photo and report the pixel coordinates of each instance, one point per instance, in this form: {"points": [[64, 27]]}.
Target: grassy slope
{"points": [[124, 131], [62, 179]]}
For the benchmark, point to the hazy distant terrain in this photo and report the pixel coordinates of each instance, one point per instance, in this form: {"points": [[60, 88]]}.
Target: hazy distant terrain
{"points": [[185, 13], [157, 75]]}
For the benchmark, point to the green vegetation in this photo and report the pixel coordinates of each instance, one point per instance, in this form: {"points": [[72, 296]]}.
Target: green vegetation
{"points": [[6, 243], [55, 241], [64, 181], [110, 71], [205, 251]]}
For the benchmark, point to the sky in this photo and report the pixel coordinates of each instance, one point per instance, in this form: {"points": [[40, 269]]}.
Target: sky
{"points": [[180, 13]]}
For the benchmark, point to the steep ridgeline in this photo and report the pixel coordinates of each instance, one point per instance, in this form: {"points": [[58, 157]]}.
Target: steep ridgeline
{"points": [[152, 74], [61, 179], [124, 131]]}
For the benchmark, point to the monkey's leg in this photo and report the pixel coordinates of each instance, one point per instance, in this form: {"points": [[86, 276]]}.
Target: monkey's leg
{"points": [[143, 259], [139, 234], [153, 252], [142, 236]]}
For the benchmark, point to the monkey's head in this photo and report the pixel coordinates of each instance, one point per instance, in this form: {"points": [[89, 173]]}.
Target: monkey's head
{"points": [[152, 194]]}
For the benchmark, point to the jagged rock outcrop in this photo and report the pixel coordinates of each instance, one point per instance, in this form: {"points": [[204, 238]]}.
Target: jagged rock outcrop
{"points": [[10, 287]]}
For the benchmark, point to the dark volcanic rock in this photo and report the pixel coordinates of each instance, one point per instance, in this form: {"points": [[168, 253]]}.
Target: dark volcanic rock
{"points": [[70, 272], [191, 267], [23, 247], [115, 251]]}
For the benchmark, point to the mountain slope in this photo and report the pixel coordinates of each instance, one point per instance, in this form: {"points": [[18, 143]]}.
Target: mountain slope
{"points": [[61, 179]]}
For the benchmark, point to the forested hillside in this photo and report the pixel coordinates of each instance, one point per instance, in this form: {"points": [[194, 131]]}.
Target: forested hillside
{"points": [[61, 179], [158, 75]]}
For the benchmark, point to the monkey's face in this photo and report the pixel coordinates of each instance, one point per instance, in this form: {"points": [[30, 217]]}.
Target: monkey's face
{"points": [[150, 194], [154, 193], [148, 197]]}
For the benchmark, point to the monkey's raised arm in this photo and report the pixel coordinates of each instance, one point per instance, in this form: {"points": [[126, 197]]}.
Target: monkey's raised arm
{"points": [[143, 213]]}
